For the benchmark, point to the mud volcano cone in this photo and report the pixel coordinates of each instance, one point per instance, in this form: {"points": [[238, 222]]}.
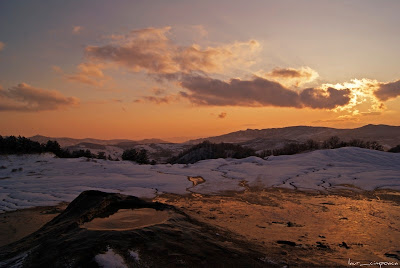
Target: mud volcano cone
{"points": [[149, 235]]}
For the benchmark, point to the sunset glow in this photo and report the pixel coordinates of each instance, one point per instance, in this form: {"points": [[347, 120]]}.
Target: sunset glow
{"points": [[179, 70]]}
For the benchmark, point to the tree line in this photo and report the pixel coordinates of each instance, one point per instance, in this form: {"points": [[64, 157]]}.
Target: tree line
{"points": [[201, 151], [22, 145], [331, 143]]}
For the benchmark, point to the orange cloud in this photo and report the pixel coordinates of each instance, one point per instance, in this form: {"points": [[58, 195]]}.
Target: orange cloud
{"points": [[193, 67], [362, 96], [337, 120], [2, 45], [370, 113], [158, 91], [77, 29], [151, 50], [25, 98], [89, 73]]}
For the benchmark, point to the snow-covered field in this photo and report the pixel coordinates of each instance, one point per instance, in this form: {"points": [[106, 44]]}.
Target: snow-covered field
{"points": [[39, 180]]}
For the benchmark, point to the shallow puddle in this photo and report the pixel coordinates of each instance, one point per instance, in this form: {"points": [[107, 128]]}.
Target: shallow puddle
{"points": [[196, 180], [128, 219]]}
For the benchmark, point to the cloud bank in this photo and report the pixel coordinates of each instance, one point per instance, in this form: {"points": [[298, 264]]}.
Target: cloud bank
{"points": [[26, 98], [258, 92], [198, 71]]}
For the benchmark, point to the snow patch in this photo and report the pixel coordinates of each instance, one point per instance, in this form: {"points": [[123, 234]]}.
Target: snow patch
{"points": [[45, 180], [15, 262], [110, 260], [134, 255]]}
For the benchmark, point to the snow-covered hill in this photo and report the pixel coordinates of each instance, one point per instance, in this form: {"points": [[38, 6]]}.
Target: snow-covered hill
{"points": [[37, 180], [65, 142], [270, 138]]}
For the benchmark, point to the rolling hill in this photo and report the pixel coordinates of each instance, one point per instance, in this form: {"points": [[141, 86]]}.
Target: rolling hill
{"points": [[66, 142], [271, 138]]}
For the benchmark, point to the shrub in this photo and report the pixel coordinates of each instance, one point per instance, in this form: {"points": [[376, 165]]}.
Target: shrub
{"points": [[140, 157], [395, 149], [208, 150], [129, 154], [101, 155]]}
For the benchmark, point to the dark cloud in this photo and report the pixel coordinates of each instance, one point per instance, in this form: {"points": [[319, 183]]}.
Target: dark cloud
{"points": [[159, 100], [222, 115], [158, 91], [24, 97], [290, 76], [258, 92], [388, 91], [289, 72], [321, 99]]}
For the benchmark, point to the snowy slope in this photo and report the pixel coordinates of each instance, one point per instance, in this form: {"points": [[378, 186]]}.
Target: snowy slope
{"points": [[322, 170], [388, 136], [37, 180]]}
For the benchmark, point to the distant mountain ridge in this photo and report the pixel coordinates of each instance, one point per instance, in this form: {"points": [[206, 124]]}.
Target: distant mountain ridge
{"points": [[260, 139], [65, 142], [257, 139]]}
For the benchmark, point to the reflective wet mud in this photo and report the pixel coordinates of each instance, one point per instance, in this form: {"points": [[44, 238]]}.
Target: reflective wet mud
{"points": [[301, 227], [128, 219]]}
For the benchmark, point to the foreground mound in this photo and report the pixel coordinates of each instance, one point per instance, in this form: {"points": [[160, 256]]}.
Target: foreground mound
{"points": [[87, 234]]}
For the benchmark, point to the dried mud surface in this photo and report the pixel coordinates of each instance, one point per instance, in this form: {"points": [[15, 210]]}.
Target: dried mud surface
{"points": [[254, 228], [300, 228]]}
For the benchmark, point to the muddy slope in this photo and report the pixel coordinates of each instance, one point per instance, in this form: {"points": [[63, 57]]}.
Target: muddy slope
{"points": [[181, 241]]}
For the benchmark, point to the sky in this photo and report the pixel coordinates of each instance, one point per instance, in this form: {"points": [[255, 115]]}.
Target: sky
{"points": [[178, 69]]}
